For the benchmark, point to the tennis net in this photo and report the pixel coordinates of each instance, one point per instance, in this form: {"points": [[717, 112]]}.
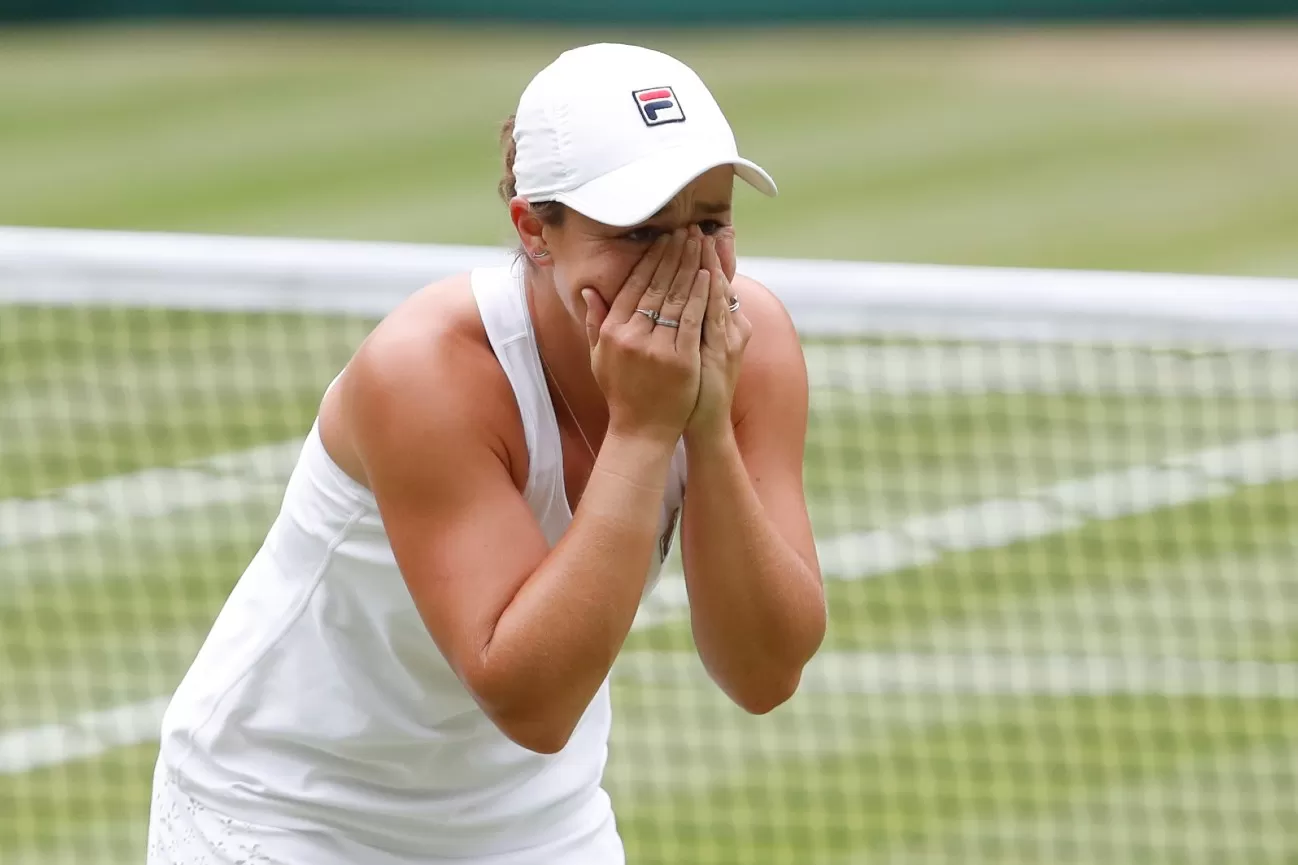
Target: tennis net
{"points": [[1057, 514]]}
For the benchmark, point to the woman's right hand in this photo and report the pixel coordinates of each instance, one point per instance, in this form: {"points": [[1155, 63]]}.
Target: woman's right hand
{"points": [[649, 371]]}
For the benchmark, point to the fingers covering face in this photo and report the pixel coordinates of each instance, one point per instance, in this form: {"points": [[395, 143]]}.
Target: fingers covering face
{"points": [[690, 334], [637, 284], [655, 293], [682, 281]]}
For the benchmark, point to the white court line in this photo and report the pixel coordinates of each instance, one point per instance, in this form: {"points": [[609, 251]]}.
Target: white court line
{"points": [[920, 540], [228, 479], [996, 675], [861, 673], [1037, 513], [87, 735]]}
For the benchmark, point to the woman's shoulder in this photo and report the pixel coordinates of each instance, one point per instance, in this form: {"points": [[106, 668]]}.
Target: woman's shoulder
{"points": [[429, 363], [774, 368], [436, 327], [762, 307]]}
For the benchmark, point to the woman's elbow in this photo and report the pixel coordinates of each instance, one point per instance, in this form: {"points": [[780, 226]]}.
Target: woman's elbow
{"points": [[779, 682], [530, 726], [524, 720], [535, 735], [769, 695]]}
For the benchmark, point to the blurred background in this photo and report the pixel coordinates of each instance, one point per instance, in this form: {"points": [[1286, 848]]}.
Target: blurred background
{"points": [[1078, 639], [1061, 133]]}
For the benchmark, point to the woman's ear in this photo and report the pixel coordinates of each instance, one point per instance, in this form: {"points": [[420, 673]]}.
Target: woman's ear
{"points": [[530, 230]]}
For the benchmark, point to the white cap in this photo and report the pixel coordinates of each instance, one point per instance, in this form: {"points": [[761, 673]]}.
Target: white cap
{"points": [[616, 131]]}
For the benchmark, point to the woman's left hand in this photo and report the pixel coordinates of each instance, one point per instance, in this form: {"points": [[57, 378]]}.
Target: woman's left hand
{"points": [[725, 336]]}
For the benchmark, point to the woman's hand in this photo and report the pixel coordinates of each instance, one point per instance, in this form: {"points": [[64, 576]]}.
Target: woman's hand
{"points": [[645, 348], [725, 336]]}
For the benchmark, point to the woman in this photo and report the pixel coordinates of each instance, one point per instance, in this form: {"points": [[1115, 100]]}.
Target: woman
{"points": [[413, 668]]}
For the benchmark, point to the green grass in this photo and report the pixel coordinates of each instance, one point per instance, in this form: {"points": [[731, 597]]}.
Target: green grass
{"points": [[906, 782], [96, 619], [888, 145], [94, 393]]}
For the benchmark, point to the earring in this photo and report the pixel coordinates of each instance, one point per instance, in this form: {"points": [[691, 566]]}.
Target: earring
{"points": [[541, 253]]}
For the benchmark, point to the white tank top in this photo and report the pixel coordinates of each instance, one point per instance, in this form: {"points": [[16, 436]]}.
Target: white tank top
{"points": [[320, 700]]}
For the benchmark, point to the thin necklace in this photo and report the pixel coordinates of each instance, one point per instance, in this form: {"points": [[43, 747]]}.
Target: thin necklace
{"points": [[545, 366], [571, 413]]}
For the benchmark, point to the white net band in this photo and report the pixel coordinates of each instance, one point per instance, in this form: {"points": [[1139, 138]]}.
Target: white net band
{"points": [[215, 273]]}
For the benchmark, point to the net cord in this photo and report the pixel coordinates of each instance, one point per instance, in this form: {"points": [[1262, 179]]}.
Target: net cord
{"points": [[75, 267]]}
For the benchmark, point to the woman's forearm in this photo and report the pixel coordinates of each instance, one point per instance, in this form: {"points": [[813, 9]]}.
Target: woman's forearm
{"points": [[757, 607], [556, 641]]}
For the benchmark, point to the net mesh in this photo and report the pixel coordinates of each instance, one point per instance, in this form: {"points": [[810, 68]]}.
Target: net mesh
{"points": [[1058, 522]]}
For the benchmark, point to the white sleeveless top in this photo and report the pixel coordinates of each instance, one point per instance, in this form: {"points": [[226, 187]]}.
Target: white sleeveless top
{"points": [[320, 704]]}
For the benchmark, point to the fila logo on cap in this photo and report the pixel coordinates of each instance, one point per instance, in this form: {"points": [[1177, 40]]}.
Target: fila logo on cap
{"points": [[658, 105]]}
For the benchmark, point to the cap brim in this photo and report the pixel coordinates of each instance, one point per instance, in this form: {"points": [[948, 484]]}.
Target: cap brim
{"points": [[633, 193]]}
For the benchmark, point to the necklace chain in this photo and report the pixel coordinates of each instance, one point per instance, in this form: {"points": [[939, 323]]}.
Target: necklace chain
{"points": [[571, 413]]}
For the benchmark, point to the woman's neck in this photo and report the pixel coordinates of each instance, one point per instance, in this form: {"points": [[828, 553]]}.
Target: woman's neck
{"points": [[561, 342]]}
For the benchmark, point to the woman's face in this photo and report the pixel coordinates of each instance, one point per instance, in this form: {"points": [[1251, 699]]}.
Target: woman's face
{"points": [[588, 254]]}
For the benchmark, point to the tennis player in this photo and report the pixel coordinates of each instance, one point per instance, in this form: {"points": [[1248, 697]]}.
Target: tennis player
{"points": [[414, 667]]}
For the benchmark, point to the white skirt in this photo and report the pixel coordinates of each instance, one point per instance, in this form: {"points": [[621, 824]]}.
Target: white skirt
{"points": [[184, 832]]}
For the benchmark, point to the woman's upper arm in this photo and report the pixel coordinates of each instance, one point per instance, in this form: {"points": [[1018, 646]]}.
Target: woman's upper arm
{"points": [[770, 412], [462, 534]]}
